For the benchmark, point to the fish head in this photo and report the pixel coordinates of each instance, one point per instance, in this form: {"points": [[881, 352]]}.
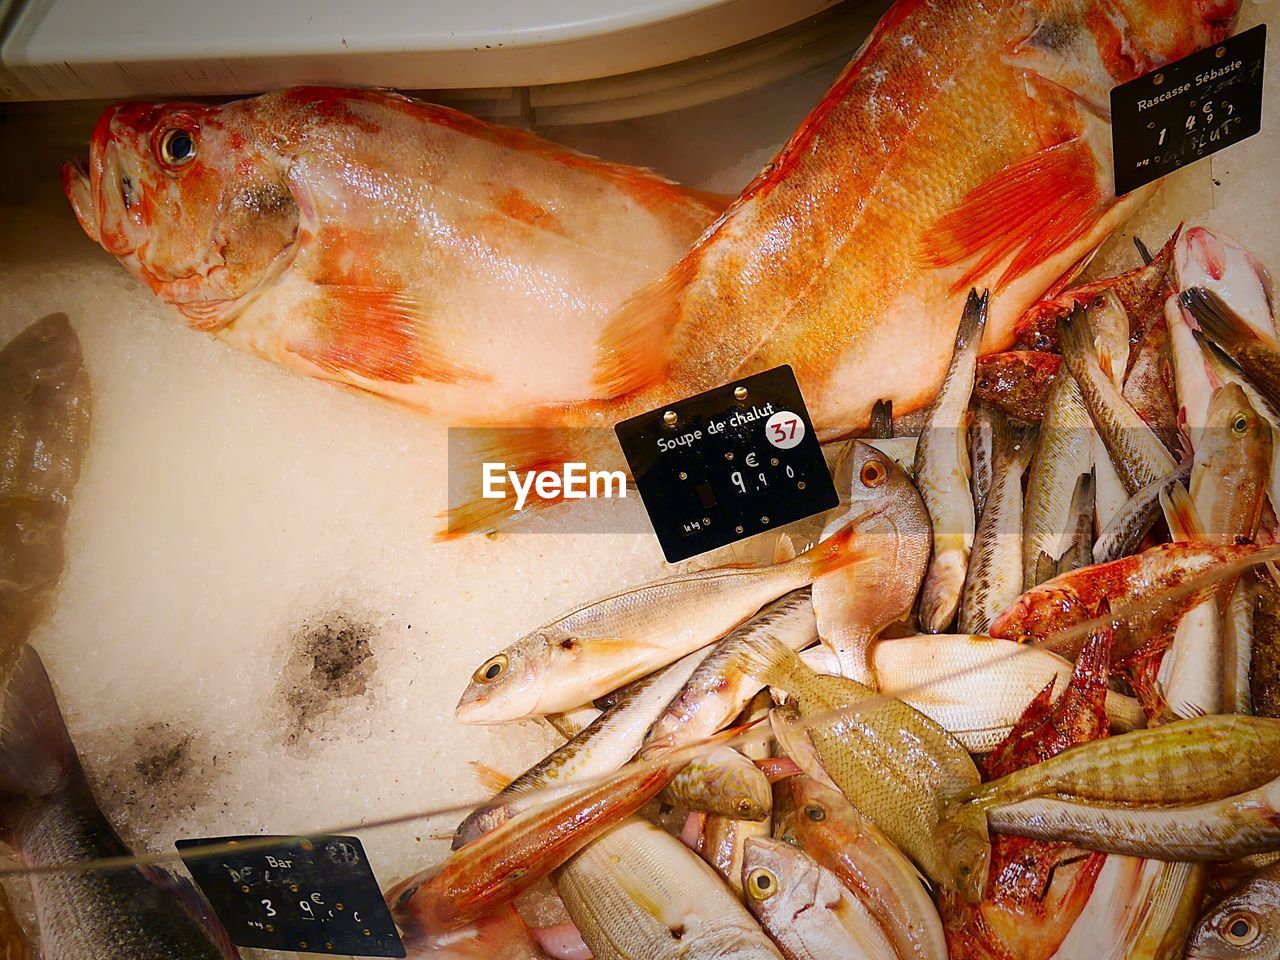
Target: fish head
{"points": [[1206, 258], [506, 686], [1016, 381], [195, 200], [1235, 421], [1087, 48], [773, 875], [966, 848], [1244, 926], [1040, 613]]}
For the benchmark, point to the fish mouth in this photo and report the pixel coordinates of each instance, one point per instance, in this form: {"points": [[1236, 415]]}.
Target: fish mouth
{"points": [[78, 187], [96, 187]]}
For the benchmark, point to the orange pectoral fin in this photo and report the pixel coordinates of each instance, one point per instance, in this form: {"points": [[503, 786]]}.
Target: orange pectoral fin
{"points": [[379, 334], [1031, 210]]}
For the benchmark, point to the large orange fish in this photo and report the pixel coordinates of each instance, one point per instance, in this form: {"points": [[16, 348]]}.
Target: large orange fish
{"points": [[968, 144], [389, 245]]}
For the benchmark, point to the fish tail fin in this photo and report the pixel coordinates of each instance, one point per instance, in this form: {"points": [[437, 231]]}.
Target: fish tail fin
{"points": [[476, 506], [973, 321], [632, 349], [881, 427], [1074, 337], [36, 752], [1219, 322], [1044, 568], [1181, 515], [838, 551], [773, 663], [1014, 440]]}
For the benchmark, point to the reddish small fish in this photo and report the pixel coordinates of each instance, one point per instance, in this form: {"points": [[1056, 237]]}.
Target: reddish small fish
{"points": [[1017, 382], [497, 867], [1036, 889], [1141, 291], [1143, 589]]}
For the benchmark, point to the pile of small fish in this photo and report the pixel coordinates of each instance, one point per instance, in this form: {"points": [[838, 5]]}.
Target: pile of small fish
{"points": [[797, 758]]}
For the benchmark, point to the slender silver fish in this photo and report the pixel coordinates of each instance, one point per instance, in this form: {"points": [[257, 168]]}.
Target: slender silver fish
{"points": [[942, 474], [721, 687], [603, 645], [1237, 826], [1064, 453], [1138, 455], [1125, 533], [981, 455], [994, 576], [603, 747]]}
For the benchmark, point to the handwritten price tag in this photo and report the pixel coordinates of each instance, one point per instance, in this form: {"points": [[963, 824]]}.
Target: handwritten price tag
{"points": [[309, 895], [1187, 110]]}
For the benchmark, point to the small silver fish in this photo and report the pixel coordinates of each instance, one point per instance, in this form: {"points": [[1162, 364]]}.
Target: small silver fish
{"points": [[602, 748], [994, 576], [606, 644], [1137, 453], [1064, 453], [942, 474]]}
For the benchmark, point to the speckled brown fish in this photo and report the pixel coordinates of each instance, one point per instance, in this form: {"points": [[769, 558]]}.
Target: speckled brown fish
{"points": [[1016, 381], [1264, 666]]}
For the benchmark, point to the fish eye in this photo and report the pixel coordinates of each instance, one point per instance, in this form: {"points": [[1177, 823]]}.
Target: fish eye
{"points": [[742, 805], [491, 669], [1042, 340], [176, 147], [761, 884], [815, 813], [984, 383], [874, 473], [1240, 929], [1239, 424], [1099, 302]]}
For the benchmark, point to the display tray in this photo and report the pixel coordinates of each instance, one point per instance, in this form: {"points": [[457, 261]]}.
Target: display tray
{"points": [[257, 631]]}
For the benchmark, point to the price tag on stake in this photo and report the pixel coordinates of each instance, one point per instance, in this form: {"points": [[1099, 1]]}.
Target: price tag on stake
{"points": [[308, 895], [727, 464], [1187, 110]]}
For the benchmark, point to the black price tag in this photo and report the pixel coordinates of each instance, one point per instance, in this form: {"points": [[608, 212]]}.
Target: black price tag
{"points": [[312, 895], [1187, 110], [727, 464]]}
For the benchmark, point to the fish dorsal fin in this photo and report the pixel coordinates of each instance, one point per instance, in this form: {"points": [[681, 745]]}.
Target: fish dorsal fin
{"points": [[1180, 514], [1032, 210]]}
